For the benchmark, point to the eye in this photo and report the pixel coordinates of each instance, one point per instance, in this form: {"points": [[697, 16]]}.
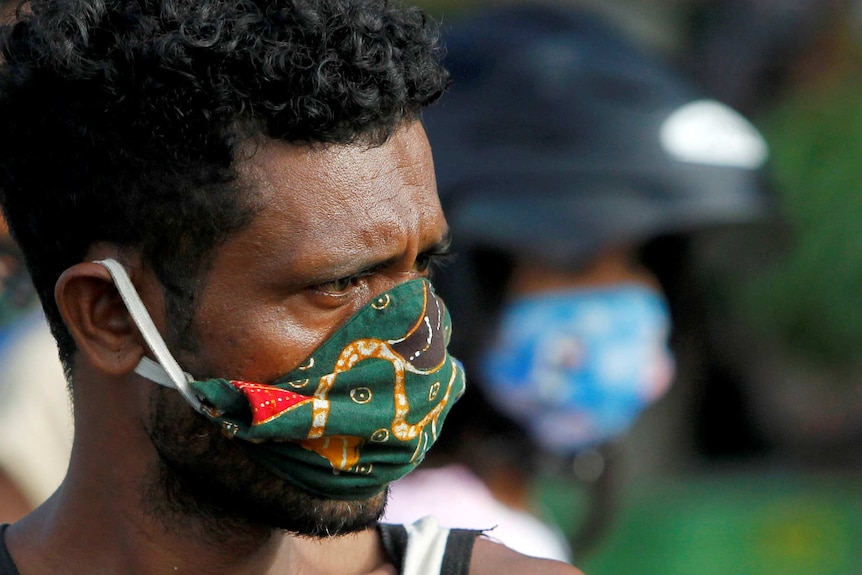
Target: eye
{"points": [[337, 287], [438, 255], [423, 262]]}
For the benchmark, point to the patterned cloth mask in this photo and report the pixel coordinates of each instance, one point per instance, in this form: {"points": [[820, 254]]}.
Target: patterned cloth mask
{"points": [[360, 412], [576, 368]]}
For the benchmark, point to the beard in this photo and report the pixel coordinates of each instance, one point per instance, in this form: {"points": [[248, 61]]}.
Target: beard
{"points": [[205, 478]]}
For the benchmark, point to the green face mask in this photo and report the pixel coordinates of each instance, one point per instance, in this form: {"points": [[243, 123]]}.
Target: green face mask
{"points": [[360, 412]]}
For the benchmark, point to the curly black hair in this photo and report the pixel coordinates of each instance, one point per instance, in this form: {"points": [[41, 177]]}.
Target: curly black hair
{"points": [[122, 120]]}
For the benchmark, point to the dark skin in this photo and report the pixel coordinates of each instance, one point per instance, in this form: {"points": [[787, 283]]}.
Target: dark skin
{"points": [[337, 226]]}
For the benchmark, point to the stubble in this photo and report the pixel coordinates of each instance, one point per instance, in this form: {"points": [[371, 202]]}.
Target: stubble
{"points": [[208, 482]]}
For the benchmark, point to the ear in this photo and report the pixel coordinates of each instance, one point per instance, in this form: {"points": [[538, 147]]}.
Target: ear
{"points": [[98, 319]]}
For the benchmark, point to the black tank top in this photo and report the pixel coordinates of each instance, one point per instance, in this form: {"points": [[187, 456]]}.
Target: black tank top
{"points": [[7, 567]]}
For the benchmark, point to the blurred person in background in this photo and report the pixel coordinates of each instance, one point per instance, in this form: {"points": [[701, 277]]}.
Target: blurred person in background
{"points": [[574, 168], [35, 415]]}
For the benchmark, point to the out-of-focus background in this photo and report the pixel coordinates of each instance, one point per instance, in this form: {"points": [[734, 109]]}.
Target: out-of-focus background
{"points": [[751, 463]]}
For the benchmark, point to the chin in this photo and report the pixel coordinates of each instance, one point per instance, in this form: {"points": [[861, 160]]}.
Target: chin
{"points": [[203, 477]]}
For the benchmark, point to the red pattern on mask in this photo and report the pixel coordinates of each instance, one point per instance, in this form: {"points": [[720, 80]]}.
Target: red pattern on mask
{"points": [[268, 402]]}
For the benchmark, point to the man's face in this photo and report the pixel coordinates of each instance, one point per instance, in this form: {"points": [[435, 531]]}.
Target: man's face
{"points": [[337, 226]]}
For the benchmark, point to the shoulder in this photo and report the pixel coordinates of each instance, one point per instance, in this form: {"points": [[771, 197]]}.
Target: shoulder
{"points": [[491, 558]]}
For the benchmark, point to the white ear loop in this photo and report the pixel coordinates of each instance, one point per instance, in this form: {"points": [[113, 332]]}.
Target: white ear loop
{"points": [[167, 365]]}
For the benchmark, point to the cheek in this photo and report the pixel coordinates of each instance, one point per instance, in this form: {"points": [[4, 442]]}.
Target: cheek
{"points": [[172, 422], [259, 348]]}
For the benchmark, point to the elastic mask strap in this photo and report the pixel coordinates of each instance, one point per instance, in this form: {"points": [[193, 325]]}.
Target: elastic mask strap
{"points": [[167, 365], [149, 369]]}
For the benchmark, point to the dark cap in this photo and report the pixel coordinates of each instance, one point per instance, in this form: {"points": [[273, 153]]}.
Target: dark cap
{"points": [[560, 137]]}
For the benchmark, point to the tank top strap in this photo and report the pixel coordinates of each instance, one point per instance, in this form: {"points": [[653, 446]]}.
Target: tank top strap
{"points": [[7, 566], [425, 548]]}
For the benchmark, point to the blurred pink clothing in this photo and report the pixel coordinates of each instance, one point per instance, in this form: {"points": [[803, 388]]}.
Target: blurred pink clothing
{"points": [[457, 498]]}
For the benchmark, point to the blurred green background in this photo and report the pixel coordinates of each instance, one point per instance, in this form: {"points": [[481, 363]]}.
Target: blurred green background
{"points": [[715, 524]]}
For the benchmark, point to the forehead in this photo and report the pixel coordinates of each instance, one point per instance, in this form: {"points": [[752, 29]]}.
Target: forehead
{"points": [[331, 205]]}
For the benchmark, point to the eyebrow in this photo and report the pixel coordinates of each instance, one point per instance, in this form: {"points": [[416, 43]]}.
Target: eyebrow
{"points": [[440, 247]]}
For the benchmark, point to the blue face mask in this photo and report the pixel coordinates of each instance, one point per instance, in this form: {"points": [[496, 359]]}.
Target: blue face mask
{"points": [[576, 368]]}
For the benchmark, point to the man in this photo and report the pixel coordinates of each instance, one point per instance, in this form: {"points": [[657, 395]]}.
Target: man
{"points": [[228, 209]]}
